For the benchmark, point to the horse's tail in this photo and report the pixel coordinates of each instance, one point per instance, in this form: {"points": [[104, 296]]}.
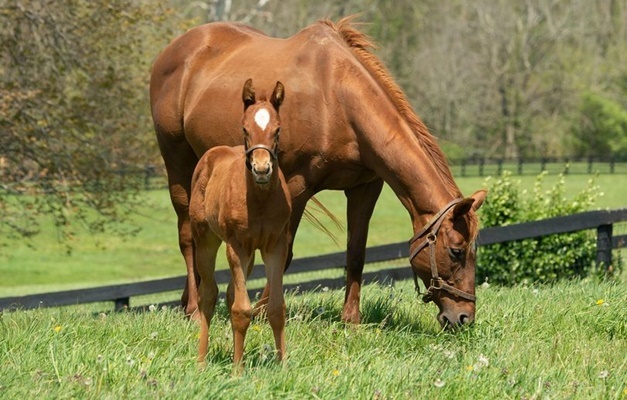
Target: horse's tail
{"points": [[320, 208]]}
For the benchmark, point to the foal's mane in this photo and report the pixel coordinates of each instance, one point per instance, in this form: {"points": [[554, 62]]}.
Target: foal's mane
{"points": [[360, 45]]}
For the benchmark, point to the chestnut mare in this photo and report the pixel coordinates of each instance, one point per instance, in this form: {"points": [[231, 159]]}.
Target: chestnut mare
{"points": [[239, 196], [346, 126]]}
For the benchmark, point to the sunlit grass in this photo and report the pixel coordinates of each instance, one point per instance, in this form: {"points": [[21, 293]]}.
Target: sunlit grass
{"points": [[562, 341]]}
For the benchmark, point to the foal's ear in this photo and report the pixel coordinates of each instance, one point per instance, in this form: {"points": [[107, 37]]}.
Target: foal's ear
{"points": [[278, 95], [248, 94]]}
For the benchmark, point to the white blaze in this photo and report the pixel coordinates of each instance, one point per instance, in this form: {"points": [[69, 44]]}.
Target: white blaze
{"points": [[262, 117]]}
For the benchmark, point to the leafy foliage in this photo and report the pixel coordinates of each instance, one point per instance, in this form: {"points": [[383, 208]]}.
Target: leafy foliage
{"points": [[601, 128], [73, 111], [546, 259]]}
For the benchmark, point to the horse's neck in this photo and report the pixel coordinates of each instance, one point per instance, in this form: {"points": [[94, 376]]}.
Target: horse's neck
{"points": [[403, 162]]}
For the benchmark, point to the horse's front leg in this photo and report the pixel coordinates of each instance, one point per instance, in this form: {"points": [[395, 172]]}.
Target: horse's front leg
{"points": [[238, 301], [360, 206]]}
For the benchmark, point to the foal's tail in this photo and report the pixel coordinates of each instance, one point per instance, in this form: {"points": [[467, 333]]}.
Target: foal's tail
{"points": [[320, 208]]}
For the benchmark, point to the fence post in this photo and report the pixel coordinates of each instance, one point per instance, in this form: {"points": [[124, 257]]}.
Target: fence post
{"points": [[520, 166], [123, 303], [590, 164], [463, 167], [481, 162], [604, 247], [499, 167]]}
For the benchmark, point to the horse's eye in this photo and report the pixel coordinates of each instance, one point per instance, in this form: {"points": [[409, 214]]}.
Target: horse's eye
{"points": [[456, 254]]}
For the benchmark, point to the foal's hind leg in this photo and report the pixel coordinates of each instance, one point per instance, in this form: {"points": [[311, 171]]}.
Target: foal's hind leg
{"points": [[238, 300], [206, 251], [360, 206], [274, 261]]}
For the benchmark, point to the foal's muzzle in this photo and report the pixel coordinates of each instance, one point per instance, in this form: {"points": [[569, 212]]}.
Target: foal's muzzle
{"points": [[261, 171]]}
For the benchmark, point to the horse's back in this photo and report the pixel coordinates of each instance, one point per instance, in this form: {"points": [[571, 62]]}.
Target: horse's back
{"points": [[196, 81]]}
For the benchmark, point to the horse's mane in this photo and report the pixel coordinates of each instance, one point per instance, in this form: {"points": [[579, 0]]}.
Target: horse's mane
{"points": [[360, 45]]}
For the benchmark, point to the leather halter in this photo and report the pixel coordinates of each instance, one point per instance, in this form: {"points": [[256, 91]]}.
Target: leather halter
{"points": [[272, 151], [430, 233]]}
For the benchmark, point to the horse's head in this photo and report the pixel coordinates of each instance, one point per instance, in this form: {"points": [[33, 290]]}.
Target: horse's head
{"points": [[261, 125], [443, 256]]}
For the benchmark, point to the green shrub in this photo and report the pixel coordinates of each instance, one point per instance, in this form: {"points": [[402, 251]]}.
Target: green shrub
{"points": [[541, 260]]}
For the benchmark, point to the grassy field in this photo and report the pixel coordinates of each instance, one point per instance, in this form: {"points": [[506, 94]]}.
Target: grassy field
{"points": [[42, 264], [563, 342]]}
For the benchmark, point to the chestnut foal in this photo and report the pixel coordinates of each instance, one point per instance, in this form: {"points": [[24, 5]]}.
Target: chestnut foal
{"points": [[239, 196]]}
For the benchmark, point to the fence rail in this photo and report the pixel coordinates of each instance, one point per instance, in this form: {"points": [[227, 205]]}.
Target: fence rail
{"points": [[484, 166], [602, 221]]}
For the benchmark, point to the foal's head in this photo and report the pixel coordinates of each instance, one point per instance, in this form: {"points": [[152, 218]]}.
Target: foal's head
{"points": [[261, 125]]}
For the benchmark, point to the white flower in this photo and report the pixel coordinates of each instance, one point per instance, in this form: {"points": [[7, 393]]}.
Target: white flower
{"points": [[152, 308], [439, 383], [483, 361], [604, 374]]}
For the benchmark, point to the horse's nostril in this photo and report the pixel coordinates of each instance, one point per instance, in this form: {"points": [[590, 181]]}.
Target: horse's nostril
{"points": [[463, 318]]}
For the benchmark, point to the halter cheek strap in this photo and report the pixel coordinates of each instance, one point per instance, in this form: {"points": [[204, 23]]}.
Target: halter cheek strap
{"points": [[430, 232]]}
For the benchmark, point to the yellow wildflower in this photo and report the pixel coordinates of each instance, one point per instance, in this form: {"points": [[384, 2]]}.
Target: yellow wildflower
{"points": [[600, 302], [57, 329], [336, 372]]}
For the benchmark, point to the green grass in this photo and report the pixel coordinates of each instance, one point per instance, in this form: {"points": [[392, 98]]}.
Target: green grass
{"points": [[564, 341], [43, 265]]}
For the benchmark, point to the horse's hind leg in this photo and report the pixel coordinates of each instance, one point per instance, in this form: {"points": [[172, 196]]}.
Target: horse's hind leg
{"points": [[239, 304], [180, 161], [274, 262], [360, 206], [206, 250]]}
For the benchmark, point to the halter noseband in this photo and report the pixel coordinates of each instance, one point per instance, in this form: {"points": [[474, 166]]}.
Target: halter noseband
{"points": [[272, 151], [430, 232]]}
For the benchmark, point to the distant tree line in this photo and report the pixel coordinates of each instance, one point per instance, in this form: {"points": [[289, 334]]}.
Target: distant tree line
{"points": [[491, 78]]}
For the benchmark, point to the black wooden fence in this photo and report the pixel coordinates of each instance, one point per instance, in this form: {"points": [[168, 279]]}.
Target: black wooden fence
{"points": [[602, 221]]}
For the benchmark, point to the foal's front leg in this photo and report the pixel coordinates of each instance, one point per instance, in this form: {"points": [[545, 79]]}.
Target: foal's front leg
{"points": [[274, 261], [238, 301]]}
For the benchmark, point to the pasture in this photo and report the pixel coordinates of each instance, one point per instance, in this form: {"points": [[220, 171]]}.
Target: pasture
{"points": [[563, 341]]}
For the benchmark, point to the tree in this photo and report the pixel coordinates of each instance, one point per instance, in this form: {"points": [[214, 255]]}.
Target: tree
{"points": [[74, 110]]}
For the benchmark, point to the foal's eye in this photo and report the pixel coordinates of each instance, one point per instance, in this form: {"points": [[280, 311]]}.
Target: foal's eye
{"points": [[456, 254]]}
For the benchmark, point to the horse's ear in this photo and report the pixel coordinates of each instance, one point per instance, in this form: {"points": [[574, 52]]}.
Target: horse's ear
{"points": [[479, 197], [475, 201], [248, 94], [278, 95]]}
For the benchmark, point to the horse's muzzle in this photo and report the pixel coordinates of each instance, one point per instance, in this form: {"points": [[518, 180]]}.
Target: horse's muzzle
{"points": [[453, 320]]}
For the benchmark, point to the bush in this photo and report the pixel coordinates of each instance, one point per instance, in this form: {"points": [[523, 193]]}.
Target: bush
{"points": [[542, 260]]}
